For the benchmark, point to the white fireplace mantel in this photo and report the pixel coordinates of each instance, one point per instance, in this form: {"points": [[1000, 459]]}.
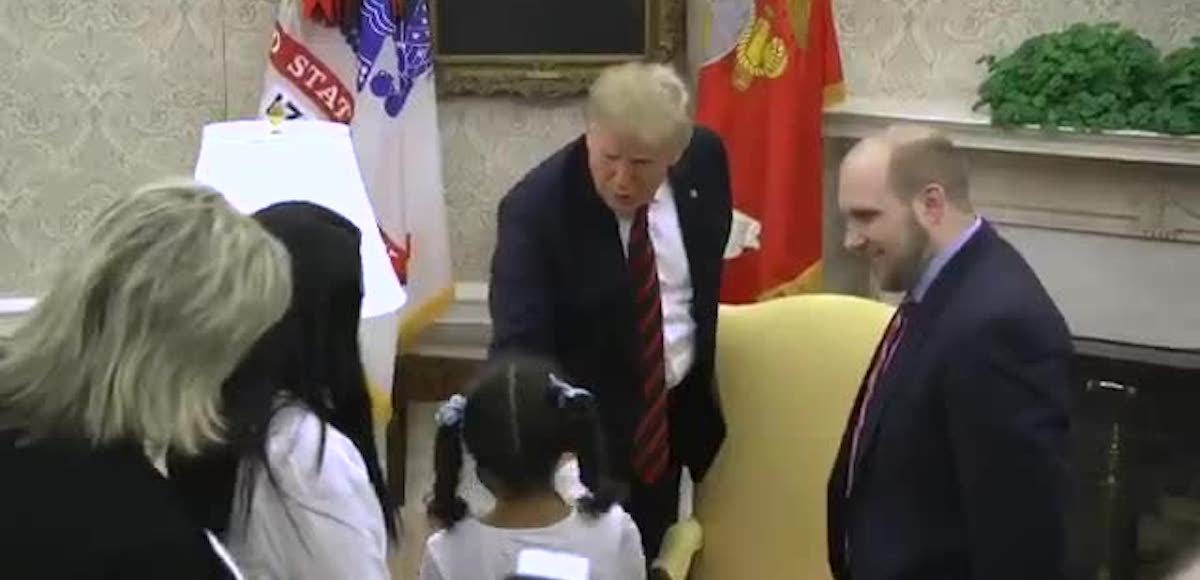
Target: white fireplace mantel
{"points": [[857, 118]]}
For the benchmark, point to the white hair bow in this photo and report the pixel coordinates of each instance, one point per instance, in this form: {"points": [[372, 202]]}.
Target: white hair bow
{"points": [[450, 413]]}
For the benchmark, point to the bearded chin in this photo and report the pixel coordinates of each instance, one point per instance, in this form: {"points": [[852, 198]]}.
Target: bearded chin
{"points": [[907, 270], [900, 279], [893, 281]]}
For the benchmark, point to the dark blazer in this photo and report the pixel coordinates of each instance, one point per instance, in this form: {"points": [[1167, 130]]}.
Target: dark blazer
{"points": [[962, 471], [559, 288], [71, 511]]}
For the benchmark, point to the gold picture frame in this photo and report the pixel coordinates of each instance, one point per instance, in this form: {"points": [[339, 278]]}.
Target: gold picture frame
{"points": [[553, 75]]}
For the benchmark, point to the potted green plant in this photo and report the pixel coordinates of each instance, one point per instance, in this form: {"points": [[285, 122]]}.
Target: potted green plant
{"points": [[1094, 77]]}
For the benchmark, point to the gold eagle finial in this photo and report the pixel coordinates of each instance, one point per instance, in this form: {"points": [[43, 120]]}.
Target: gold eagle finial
{"points": [[759, 52]]}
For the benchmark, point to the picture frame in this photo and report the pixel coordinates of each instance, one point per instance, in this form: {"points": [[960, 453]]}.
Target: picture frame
{"points": [[547, 48]]}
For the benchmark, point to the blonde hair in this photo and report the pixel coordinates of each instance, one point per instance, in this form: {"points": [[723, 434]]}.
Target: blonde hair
{"points": [[646, 100], [144, 321], [920, 156]]}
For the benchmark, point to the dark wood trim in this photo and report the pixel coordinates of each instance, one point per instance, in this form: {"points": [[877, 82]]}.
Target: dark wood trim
{"points": [[426, 378], [419, 379], [550, 75]]}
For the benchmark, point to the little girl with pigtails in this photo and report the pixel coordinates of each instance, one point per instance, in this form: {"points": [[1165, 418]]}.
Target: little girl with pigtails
{"points": [[519, 422]]}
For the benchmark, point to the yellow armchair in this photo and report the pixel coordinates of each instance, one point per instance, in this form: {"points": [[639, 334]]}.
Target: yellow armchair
{"points": [[788, 371]]}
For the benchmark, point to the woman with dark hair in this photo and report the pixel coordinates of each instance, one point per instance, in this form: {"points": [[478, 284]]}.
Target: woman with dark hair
{"points": [[297, 492], [519, 423]]}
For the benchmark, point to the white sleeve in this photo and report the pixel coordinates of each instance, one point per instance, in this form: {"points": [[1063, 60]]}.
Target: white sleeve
{"points": [[429, 569], [333, 506], [631, 559]]}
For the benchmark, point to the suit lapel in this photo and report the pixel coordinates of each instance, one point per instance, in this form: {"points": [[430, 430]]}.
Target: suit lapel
{"points": [[598, 234], [892, 379], [921, 320], [686, 196], [689, 207], [841, 471]]}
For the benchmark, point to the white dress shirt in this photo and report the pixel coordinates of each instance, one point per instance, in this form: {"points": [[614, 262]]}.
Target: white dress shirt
{"points": [[931, 271], [674, 282]]}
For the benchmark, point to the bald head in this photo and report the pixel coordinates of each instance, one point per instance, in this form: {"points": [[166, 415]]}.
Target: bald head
{"points": [[911, 158], [865, 166], [903, 195]]}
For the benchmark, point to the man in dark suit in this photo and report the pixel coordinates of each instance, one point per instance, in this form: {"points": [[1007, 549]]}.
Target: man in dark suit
{"points": [[608, 261], [953, 463]]}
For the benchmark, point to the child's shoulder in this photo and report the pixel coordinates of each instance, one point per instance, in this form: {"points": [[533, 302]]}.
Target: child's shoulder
{"points": [[449, 549], [463, 530], [615, 518]]}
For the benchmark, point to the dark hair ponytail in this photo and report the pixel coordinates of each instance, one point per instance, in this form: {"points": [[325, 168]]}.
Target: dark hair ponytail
{"points": [[445, 506], [584, 437], [520, 421]]}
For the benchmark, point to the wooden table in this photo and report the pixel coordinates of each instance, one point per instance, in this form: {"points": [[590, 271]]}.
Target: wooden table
{"points": [[419, 378]]}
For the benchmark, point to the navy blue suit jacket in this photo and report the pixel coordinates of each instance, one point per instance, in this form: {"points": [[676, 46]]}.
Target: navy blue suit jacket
{"points": [[559, 288], [962, 472]]}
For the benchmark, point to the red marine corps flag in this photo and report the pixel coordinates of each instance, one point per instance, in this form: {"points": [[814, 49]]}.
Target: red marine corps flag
{"points": [[768, 69]]}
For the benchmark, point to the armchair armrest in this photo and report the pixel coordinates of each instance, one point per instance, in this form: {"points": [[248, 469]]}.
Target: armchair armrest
{"points": [[679, 547]]}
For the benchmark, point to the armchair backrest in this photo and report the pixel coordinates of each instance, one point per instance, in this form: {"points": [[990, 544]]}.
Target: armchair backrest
{"points": [[788, 371]]}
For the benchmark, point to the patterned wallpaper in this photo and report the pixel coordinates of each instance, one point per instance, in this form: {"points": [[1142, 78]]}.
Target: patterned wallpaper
{"points": [[489, 144], [94, 96], [98, 96], [927, 49]]}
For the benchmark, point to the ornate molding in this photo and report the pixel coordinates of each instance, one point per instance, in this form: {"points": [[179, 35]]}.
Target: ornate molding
{"points": [[552, 76], [1139, 225], [537, 79], [464, 331], [1125, 200]]}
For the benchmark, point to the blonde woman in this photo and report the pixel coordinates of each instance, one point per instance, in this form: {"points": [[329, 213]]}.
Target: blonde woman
{"points": [[121, 361]]}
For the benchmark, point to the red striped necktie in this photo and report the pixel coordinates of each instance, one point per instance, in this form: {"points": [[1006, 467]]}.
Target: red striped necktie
{"points": [[887, 348], [651, 448]]}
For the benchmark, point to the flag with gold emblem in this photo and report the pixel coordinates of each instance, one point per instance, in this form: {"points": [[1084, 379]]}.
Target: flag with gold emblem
{"points": [[768, 69]]}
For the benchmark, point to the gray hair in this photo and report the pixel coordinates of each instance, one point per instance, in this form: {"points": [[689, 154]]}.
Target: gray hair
{"points": [[144, 321], [646, 100]]}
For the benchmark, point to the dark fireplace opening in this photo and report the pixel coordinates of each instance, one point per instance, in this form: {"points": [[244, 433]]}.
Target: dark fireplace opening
{"points": [[1136, 456]]}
